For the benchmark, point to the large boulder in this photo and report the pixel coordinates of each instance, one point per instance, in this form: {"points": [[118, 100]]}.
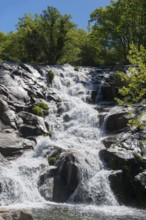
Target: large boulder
{"points": [[129, 190], [61, 180], [67, 177], [116, 121], [123, 151]]}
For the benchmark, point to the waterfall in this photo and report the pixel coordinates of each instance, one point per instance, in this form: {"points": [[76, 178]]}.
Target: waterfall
{"points": [[74, 123]]}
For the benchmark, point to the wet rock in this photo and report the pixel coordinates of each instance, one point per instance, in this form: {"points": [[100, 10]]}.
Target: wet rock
{"points": [[67, 177], [124, 140], [12, 145], [116, 122], [66, 118], [129, 190], [53, 96], [32, 125], [108, 92], [62, 178]]}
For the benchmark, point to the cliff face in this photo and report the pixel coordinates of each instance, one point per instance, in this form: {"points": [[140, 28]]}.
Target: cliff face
{"points": [[67, 140]]}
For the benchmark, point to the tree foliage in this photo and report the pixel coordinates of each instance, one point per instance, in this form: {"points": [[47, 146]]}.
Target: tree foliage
{"points": [[117, 26], [52, 38], [133, 90]]}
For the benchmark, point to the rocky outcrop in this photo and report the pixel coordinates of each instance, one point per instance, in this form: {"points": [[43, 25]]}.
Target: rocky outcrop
{"points": [[124, 155], [21, 86]]}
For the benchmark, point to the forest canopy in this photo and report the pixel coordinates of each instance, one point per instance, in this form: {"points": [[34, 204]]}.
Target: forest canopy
{"points": [[52, 38]]}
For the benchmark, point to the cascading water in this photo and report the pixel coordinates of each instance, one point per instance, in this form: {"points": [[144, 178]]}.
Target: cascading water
{"points": [[74, 122]]}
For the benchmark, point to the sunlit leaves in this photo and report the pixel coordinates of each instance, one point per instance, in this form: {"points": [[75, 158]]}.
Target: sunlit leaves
{"points": [[133, 90]]}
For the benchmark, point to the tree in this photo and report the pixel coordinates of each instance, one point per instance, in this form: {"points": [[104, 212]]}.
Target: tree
{"points": [[117, 26], [42, 38], [55, 33], [3, 38], [133, 90]]}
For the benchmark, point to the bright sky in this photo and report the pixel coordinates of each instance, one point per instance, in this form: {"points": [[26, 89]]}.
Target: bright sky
{"points": [[11, 10]]}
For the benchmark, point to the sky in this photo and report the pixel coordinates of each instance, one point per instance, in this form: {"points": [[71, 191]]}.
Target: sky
{"points": [[11, 10]]}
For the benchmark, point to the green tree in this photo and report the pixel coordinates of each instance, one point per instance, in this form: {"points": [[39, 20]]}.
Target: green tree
{"points": [[3, 38], [133, 90], [42, 38], [117, 26], [55, 28]]}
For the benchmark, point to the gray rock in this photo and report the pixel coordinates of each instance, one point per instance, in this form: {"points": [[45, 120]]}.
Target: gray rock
{"points": [[16, 215], [116, 122], [129, 190], [12, 145], [32, 125]]}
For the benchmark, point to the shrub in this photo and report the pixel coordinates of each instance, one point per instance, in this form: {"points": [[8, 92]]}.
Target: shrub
{"points": [[37, 111]]}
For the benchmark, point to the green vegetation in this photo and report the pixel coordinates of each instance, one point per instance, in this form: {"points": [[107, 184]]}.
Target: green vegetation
{"points": [[40, 109], [51, 75], [52, 38], [37, 111], [133, 90], [52, 160], [43, 105], [116, 27]]}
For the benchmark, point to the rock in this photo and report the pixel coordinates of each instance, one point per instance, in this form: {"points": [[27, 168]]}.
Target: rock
{"points": [[116, 122], [122, 159], [12, 145], [8, 118], [3, 106], [66, 118], [16, 215], [32, 125], [6, 66], [108, 93], [124, 140], [67, 177], [129, 190], [61, 179]]}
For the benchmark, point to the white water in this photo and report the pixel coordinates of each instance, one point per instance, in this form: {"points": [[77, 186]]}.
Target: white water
{"points": [[75, 126]]}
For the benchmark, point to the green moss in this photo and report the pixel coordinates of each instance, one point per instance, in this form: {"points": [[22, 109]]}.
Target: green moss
{"points": [[51, 75], [37, 110], [52, 160], [43, 105]]}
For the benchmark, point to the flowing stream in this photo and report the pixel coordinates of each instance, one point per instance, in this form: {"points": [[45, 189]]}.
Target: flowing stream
{"points": [[74, 122]]}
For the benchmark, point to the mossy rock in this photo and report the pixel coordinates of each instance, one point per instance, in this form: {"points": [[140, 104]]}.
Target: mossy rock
{"points": [[37, 111], [52, 160], [42, 105], [51, 75]]}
